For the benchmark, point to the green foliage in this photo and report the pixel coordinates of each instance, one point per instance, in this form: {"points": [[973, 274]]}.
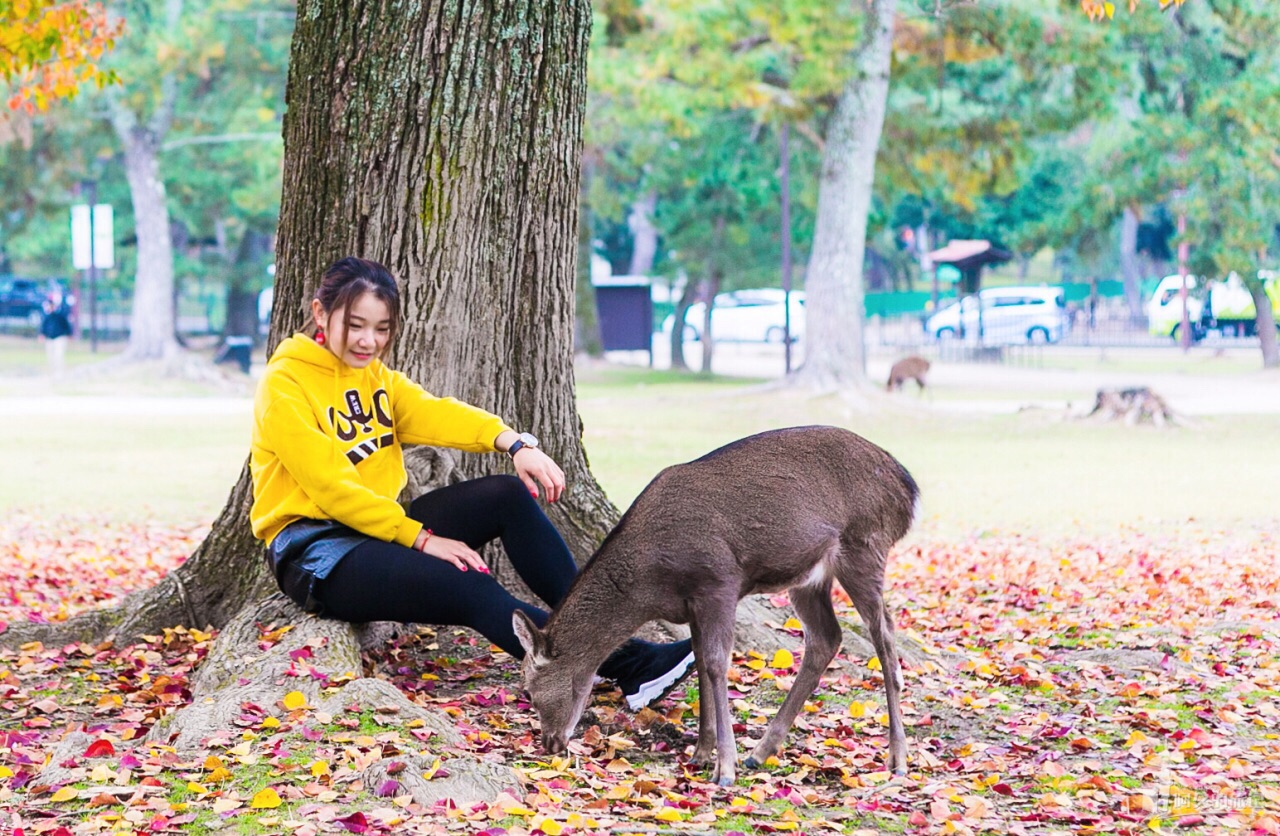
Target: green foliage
{"points": [[220, 66], [686, 100], [1200, 128]]}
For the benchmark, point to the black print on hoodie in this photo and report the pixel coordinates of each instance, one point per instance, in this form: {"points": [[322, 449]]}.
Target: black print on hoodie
{"points": [[359, 420]]}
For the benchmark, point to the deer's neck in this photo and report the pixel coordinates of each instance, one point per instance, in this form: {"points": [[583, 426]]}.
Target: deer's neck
{"points": [[595, 618]]}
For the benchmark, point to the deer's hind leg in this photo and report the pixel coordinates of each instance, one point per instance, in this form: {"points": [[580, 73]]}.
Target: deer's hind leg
{"points": [[863, 579], [821, 641], [712, 626]]}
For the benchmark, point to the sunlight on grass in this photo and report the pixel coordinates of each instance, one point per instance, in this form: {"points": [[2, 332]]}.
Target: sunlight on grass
{"points": [[978, 473], [174, 459]]}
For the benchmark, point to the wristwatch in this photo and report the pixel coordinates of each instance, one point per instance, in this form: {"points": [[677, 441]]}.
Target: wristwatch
{"points": [[525, 440]]}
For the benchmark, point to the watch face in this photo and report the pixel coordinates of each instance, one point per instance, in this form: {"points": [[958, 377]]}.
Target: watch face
{"points": [[529, 439]]}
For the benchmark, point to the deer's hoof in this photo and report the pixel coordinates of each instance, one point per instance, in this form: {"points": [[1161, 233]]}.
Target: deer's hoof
{"points": [[725, 781], [751, 762]]}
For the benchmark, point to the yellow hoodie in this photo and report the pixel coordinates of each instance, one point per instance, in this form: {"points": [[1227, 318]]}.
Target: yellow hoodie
{"points": [[327, 441]]}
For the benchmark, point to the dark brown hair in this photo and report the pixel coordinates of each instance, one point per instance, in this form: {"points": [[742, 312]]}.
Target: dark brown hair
{"points": [[347, 279]]}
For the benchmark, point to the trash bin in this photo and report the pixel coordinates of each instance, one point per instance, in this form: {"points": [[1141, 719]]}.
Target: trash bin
{"points": [[235, 350], [624, 305]]}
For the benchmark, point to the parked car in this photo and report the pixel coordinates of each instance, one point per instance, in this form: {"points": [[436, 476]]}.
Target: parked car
{"points": [[1008, 316], [23, 299], [756, 315], [1224, 307], [1164, 309]]}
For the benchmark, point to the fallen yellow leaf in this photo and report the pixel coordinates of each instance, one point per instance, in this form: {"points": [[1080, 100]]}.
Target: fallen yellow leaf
{"points": [[668, 814], [782, 659], [64, 794], [295, 700], [267, 799], [551, 827], [319, 768]]}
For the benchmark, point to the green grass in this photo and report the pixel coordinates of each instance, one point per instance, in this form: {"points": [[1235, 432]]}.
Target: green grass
{"points": [[1008, 473], [979, 473]]}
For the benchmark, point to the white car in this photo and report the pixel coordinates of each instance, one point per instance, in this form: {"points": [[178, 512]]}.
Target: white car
{"points": [[757, 315], [1008, 316]]}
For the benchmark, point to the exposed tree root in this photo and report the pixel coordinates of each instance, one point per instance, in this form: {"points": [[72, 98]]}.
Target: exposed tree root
{"points": [[1135, 404]]}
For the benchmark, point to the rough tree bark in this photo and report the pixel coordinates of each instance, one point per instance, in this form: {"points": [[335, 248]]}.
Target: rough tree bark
{"points": [[835, 318]]}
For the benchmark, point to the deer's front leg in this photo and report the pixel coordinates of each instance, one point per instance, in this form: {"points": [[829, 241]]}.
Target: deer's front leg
{"points": [[714, 631], [706, 748]]}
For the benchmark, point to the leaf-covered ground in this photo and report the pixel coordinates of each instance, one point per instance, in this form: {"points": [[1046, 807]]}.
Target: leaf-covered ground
{"points": [[1118, 686]]}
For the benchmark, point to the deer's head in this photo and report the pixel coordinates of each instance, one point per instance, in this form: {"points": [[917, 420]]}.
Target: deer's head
{"points": [[558, 691]]}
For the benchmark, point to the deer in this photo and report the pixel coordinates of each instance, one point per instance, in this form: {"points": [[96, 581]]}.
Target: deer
{"points": [[789, 509], [908, 368]]}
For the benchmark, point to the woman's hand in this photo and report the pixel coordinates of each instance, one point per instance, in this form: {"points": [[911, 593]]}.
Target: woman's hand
{"points": [[451, 551], [534, 468]]}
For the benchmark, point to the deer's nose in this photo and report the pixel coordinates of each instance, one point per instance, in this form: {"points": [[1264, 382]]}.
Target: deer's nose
{"points": [[555, 744]]}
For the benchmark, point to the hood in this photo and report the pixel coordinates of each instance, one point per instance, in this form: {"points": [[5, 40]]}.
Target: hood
{"points": [[302, 348]]}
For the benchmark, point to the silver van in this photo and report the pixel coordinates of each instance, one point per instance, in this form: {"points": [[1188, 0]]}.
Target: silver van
{"points": [[1004, 316]]}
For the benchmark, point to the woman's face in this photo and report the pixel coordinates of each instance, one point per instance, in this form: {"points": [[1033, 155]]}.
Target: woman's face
{"points": [[356, 335]]}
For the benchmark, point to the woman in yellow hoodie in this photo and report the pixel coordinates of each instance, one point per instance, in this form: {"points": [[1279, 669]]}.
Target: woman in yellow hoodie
{"points": [[328, 466]]}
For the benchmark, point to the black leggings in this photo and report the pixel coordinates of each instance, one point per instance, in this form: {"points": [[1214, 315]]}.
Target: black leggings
{"points": [[380, 581]]}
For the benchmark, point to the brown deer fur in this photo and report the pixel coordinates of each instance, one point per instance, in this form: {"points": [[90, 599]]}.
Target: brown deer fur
{"points": [[908, 368], [787, 509]]}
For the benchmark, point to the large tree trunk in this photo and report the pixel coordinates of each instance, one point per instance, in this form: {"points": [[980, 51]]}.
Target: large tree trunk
{"points": [[251, 261], [687, 297], [587, 337], [443, 142], [1130, 270], [151, 322], [1266, 324], [835, 317], [644, 235]]}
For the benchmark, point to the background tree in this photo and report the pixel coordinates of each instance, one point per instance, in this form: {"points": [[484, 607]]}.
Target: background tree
{"points": [[173, 92], [1200, 135]]}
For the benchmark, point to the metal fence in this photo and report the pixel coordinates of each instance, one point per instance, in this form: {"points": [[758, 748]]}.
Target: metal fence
{"points": [[1108, 325]]}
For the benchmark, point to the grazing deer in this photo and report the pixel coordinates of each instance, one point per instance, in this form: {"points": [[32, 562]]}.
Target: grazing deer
{"points": [[786, 509], [908, 368]]}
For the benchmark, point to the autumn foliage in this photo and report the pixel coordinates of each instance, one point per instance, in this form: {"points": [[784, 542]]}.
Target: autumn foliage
{"points": [[48, 49], [1114, 685], [1097, 10]]}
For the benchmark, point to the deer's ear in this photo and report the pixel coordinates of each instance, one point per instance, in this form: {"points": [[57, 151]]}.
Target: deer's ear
{"points": [[531, 638]]}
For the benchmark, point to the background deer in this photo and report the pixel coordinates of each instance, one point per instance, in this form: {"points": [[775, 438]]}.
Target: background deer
{"points": [[787, 509], [908, 368]]}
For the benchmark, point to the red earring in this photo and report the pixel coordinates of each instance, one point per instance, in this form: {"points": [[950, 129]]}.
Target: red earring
{"points": [[319, 336]]}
